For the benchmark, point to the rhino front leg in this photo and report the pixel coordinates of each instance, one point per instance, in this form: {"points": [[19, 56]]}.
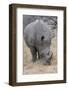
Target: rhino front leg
{"points": [[34, 53], [38, 55]]}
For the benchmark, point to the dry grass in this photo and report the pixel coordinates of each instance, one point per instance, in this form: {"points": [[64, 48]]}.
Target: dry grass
{"points": [[38, 67]]}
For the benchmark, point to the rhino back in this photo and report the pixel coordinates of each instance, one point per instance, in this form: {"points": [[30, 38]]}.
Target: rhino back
{"points": [[34, 32]]}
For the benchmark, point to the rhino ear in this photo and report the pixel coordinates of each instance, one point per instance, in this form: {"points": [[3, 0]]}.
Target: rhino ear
{"points": [[42, 38]]}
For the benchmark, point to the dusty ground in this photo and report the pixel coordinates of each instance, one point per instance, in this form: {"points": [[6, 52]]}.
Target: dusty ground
{"points": [[38, 67]]}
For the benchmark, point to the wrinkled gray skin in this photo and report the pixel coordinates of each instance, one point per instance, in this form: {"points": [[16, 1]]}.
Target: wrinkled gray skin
{"points": [[38, 39]]}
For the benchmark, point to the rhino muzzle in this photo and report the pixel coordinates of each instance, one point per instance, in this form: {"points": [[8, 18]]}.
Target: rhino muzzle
{"points": [[47, 57]]}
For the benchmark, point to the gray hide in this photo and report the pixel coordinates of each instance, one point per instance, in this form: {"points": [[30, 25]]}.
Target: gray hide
{"points": [[38, 38]]}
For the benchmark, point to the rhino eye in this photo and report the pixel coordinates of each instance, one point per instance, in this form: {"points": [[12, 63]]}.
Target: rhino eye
{"points": [[42, 38]]}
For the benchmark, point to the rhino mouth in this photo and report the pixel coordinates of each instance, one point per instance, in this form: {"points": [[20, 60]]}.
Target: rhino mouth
{"points": [[47, 58]]}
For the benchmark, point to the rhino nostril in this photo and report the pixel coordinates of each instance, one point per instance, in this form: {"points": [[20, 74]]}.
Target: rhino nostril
{"points": [[48, 53]]}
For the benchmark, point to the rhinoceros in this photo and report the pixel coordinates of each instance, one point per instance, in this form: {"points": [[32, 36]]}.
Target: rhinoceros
{"points": [[38, 38]]}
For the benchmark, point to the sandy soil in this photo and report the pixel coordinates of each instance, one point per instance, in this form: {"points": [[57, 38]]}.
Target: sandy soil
{"points": [[38, 68]]}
